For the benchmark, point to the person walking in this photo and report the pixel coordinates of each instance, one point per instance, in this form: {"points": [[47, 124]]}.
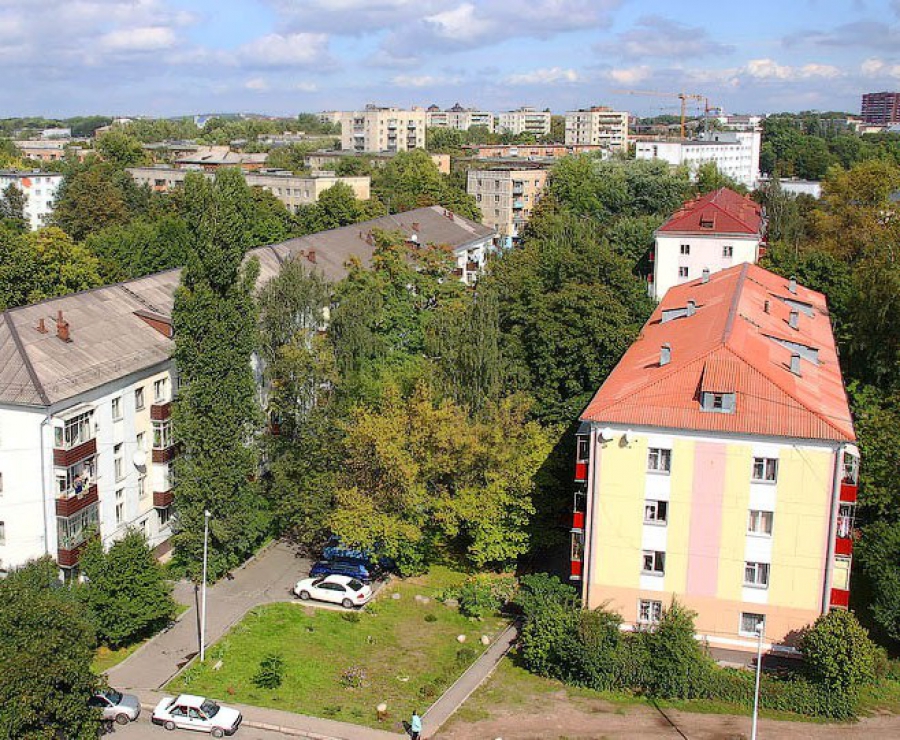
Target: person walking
{"points": [[415, 726]]}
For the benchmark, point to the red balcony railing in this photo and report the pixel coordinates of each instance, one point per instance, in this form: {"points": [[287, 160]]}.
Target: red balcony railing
{"points": [[66, 506], [843, 546], [163, 499], [578, 521], [68, 558], [161, 411], [848, 493], [63, 458], [164, 454], [581, 470], [840, 598]]}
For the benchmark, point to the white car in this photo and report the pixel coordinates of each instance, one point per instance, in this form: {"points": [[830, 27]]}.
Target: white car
{"points": [[196, 713], [343, 590]]}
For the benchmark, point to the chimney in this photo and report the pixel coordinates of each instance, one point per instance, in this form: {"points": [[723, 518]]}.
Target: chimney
{"points": [[766, 307], [62, 327], [795, 364], [705, 274], [792, 286], [665, 354], [794, 319], [691, 308], [42, 326], [311, 256]]}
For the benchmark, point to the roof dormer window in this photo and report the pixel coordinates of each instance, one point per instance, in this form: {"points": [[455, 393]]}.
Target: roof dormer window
{"points": [[720, 403]]}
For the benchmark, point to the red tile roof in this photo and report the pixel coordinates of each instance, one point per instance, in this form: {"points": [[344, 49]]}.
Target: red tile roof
{"points": [[722, 211], [733, 343]]}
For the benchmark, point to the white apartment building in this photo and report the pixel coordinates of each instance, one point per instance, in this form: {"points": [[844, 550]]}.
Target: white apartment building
{"points": [[39, 189], [735, 153], [292, 190], [383, 130], [506, 197], [525, 120], [459, 118], [598, 125]]}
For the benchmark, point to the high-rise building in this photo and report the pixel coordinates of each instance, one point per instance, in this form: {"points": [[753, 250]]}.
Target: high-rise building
{"points": [[598, 125], [383, 129], [881, 108], [525, 120], [459, 118], [506, 197], [39, 189]]}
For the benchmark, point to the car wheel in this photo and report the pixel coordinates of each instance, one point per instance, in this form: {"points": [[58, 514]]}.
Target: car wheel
{"points": [[169, 725], [347, 604], [304, 595], [217, 732], [122, 719]]}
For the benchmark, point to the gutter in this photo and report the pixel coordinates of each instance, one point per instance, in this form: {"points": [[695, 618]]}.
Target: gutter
{"points": [[832, 524], [44, 422]]}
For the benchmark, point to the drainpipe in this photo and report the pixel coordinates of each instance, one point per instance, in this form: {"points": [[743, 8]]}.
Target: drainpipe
{"points": [[588, 553], [45, 422], [832, 525]]}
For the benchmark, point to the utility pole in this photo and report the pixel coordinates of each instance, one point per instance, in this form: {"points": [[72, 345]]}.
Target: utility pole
{"points": [[760, 627], [206, 517]]}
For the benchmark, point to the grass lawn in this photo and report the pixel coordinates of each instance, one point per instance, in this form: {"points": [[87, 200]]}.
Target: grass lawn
{"points": [[105, 658], [404, 660]]}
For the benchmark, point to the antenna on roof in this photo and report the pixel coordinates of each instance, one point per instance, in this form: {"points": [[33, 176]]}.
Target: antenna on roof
{"points": [[705, 274]]}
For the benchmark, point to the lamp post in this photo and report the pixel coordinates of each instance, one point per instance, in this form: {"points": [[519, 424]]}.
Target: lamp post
{"points": [[206, 517], [760, 627]]}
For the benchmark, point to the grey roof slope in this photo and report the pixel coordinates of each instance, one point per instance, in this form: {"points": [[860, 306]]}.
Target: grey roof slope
{"points": [[109, 341]]}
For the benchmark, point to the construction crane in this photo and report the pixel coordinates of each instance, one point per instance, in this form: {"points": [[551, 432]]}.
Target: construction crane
{"points": [[683, 96]]}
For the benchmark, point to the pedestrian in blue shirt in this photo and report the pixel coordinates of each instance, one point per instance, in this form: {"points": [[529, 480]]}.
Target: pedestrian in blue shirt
{"points": [[415, 726]]}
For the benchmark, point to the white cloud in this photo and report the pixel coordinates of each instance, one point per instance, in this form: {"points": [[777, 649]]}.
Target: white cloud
{"points": [[257, 84], [292, 50], [423, 80], [769, 69], [654, 36], [630, 75], [460, 24], [146, 38], [879, 68], [545, 76]]}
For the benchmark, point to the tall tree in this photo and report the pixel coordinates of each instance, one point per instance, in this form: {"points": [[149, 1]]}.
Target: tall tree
{"points": [[12, 208], [120, 148], [46, 649], [216, 412]]}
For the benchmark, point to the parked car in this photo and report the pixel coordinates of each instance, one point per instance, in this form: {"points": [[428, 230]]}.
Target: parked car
{"points": [[358, 569], [191, 712], [123, 708], [343, 590], [336, 550]]}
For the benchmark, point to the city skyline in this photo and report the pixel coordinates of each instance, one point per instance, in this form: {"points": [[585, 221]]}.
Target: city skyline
{"points": [[177, 57]]}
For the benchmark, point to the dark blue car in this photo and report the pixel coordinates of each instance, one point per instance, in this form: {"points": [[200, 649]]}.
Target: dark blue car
{"points": [[360, 569], [336, 550]]}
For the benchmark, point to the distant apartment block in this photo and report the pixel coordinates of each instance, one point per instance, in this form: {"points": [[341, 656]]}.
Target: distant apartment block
{"points": [[212, 158], [292, 190], [735, 153], [51, 150], [383, 130], [506, 197], [326, 159], [740, 122], [524, 121], [598, 125], [330, 116], [39, 189], [459, 118], [881, 108], [531, 152]]}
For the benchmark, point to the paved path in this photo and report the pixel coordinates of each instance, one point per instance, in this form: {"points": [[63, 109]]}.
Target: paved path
{"points": [[265, 579], [465, 685]]}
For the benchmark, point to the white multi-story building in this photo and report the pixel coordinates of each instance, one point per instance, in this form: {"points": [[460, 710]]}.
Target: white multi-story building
{"points": [[735, 153], [86, 384], [39, 189], [383, 129], [459, 118], [525, 121], [704, 236], [598, 125]]}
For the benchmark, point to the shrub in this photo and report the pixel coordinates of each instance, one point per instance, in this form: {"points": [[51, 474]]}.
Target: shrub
{"points": [[270, 672], [678, 663], [352, 617], [538, 590], [466, 655], [429, 690], [839, 654], [430, 618], [353, 677]]}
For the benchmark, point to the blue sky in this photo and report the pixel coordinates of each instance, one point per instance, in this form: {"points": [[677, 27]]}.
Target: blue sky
{"points": [[172, 57]]}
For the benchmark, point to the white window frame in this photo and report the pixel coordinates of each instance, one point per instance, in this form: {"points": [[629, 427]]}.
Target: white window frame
{"points": [[757, 618], [657, 562], [727, 250], [160, 391], [653, 610], [761, 574], [118, 461], [656, 512], [683, 271], [116, 405], [685, 249], [767, 467], [755, 518], [139, 398], [2, 533], [659, 460]]}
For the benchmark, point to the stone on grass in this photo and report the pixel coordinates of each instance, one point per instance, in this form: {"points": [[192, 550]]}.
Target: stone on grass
{"points": [[395, 596], [451, 602], [218, 666], [460, 638], [381, 710], [485, 640]]}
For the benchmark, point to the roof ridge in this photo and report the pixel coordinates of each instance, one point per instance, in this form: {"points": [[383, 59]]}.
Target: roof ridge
{"points": [[735, 300], [26, 360]]}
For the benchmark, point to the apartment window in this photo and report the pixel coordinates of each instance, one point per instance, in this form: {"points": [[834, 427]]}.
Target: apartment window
{"points": [[2, 533], [120, 506], [478, 198], [160, 389], [118, 462], [164, 515], [750, 622], [851, 470], [659, 460], [139, 440], [685, 248], [760, 522], [583, 448], [765, 469], [496, 199], [654, 562], [142, 486], [139, 398], [117, 408], [756, 575], [649, 611], [845, 520], [682, 272], [76, 431], [1, 483], [728, 251], [162, 434], [656, 512]]}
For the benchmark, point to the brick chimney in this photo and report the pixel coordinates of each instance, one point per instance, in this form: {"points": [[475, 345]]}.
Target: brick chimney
{"points": [[62, 327], [311, 256], [42, 326]]}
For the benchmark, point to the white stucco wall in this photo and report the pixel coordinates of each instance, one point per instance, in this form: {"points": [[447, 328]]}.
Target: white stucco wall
{"points": [[705, 252]]}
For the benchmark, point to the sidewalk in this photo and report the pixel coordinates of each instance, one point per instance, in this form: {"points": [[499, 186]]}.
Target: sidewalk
{"points": [[266, 578], [453, 698]]}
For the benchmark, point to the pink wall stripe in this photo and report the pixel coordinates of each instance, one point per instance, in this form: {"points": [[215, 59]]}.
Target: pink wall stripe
{"points": [[706, 518]]}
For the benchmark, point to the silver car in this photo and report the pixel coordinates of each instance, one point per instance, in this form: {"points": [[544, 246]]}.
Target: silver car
{"points": [[123, 708]]}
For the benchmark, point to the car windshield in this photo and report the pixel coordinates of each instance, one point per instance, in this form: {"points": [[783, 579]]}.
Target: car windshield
{"points": [[114, 696], [318, 580], [209, 708], [354, 584]]}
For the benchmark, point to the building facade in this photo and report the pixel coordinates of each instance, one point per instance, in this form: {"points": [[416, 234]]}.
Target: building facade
{"points": [[717, 466], [735, 153], [881, 108], [525, 121], [290, 189], [506, 197], [383, 130], [710, 233], [599, 125], [39, 189], [459, 118]]}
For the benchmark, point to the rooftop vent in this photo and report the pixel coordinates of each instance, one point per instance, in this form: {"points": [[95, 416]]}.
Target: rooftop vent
{"points": [[766, 306], [794, 319], [795, 364], [62, 327], [792, 285], [665, 354], [705, 274], [691, 308], [42, 326]]}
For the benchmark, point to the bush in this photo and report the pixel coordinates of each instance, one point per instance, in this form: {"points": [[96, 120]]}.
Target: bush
{"points": [[678, 663], [839, 654], [352, 617], [466, 655], [430, 618], [270, 673], [353, 677], [476, 598]]}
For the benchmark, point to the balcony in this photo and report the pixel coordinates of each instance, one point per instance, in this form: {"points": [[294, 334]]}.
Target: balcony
{"points": [[161, 411], [163, 454], [472, 266], [66, 457], [67, 558], [518, 188], [518, 204], [848, 492], [840, 598], [577, 521], [581, 470], [163, 499], [67, 506]]}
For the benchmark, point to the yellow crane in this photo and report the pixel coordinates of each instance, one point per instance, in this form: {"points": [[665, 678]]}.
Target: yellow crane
{"points": [[683, 96]]}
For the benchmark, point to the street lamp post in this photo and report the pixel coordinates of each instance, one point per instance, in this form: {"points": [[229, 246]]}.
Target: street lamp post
{"points": [[206, 517], [760, 627]]}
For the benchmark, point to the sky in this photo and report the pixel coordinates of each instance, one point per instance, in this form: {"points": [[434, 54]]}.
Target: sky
{"points": [[178, 57]]}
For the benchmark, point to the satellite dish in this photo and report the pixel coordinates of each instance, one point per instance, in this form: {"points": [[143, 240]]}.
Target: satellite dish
{"points": [[627, 437], [139, 459], [606, 434]]}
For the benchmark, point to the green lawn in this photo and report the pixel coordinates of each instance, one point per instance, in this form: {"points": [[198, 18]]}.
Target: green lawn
{"points": [[405, 661], [105, 658]]}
